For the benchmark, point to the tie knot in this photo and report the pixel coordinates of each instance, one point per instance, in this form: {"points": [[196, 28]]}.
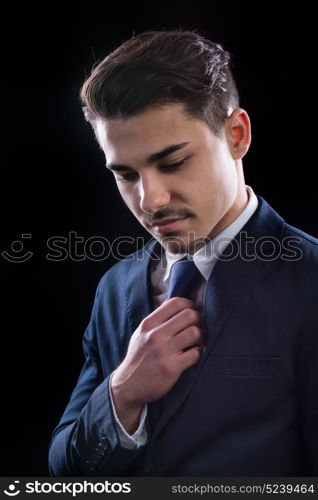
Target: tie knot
{"points": [[184, 277]]}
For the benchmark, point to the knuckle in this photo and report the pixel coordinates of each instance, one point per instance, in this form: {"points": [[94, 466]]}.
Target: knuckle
{"points": [[151, 340], [195, 355], [145, 325], [195, 332], [177, 301], [191, 314]]}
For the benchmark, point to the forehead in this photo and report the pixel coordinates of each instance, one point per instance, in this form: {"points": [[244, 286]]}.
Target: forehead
{"points": [[150, 130]]}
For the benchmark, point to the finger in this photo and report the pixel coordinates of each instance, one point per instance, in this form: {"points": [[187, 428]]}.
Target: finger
{"points": [[168, 309], [185, 359], [182, 320], [189, 337]]}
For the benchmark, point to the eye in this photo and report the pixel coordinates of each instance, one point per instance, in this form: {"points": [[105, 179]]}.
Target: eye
{"points": [[167, 168], [173, 166], [127, 177]]}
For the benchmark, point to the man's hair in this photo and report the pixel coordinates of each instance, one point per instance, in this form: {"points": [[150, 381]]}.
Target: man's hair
{"points": [[161, 67]]}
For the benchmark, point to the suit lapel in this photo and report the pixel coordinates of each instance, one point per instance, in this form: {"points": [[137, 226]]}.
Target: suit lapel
{"points": [[252, 253], [227, 284], [138, 285]]}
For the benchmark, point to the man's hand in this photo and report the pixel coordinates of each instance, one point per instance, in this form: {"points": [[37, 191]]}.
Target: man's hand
{"points": [[166, 343]]}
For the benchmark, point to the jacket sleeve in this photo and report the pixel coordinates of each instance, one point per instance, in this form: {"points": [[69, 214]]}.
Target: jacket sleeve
{"points": [[86, 442]]}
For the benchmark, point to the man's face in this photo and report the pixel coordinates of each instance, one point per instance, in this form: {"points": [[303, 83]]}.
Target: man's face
{"points": [[177, 177]]}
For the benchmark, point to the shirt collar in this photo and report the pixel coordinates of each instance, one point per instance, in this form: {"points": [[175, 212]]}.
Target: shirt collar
{"points": [[206, 257]]}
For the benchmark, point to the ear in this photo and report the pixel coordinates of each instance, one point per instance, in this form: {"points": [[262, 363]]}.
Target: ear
{"points": [[238, 132]]}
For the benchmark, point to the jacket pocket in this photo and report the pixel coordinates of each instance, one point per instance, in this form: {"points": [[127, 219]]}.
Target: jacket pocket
{"points": [[243, 367]]}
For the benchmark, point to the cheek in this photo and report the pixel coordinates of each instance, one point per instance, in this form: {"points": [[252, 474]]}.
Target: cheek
{"points": [[221, 180], [214, 193], [129, 197]]}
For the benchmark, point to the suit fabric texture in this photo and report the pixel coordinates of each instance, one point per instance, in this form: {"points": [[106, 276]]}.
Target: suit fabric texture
{"points": [[249, 407]]}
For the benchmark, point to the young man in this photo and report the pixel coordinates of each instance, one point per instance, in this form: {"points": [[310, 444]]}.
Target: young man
{"points": [[206, 366]]}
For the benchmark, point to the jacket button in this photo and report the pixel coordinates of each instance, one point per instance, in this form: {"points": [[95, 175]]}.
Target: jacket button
{"points": [[104, 443], [91, 465], [100, 451]]}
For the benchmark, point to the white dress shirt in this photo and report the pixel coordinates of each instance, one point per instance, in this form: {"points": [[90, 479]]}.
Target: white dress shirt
{"points": [[205, 259]]}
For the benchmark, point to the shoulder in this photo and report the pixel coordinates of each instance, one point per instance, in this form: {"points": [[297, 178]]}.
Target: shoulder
{"points": [[298, 266], [266, 222], [306, 238], [307, 243]]}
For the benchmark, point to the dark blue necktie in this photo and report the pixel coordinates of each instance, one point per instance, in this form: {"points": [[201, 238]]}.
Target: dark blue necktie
{"points": [[184, 277]]}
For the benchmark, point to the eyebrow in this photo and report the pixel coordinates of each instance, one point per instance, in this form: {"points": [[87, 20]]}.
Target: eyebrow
{"points": [[153, 158]]}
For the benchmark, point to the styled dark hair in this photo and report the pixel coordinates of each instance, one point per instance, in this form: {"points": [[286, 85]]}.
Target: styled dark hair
{"points": [[161, 67]]}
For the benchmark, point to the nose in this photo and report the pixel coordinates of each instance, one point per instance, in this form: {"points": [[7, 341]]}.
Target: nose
{"points": [[154, 192]]}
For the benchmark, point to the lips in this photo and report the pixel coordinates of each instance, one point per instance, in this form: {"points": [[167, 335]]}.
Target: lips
{"points": [[167, 225]]}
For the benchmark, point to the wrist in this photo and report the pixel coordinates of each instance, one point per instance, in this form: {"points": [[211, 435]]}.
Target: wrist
{"points": [[122, 392], [128, 410]]}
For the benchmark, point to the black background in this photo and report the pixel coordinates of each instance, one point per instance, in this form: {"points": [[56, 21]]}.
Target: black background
{"points": [[54, 180]]}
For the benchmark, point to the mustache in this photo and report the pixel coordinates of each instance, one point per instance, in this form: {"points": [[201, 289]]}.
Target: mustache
{"points": [[168, 213]]}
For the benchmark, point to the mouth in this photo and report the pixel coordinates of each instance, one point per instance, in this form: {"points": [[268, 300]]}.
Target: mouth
{"points": [[168, 225]]}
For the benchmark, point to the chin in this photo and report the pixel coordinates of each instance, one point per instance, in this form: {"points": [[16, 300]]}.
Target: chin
{"points": [[178, 244], [174, 244]]}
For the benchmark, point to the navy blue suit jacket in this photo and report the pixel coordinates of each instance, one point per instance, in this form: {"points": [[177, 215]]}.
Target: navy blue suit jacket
{"points": [[249, 407]]}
